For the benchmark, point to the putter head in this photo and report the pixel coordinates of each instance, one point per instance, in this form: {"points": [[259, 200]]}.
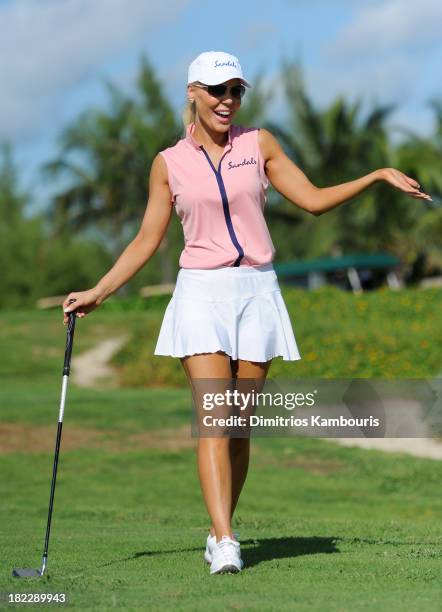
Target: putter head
{"points": [[27, 573]]}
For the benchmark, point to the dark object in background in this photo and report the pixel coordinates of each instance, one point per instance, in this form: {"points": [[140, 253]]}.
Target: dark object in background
{"points": [[417, 270]]}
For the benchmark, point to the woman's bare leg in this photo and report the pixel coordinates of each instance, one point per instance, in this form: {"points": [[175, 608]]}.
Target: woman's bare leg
{"points": [[213, 456], [223, 462], [240, 447]]}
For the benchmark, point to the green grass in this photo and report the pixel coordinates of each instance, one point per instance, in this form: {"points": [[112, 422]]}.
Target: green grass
{"points": [[379, 334], [323, 527], [384, 334]]}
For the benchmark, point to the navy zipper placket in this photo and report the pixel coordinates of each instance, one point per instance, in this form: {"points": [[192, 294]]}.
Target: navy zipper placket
{"points": [[225, 201]]}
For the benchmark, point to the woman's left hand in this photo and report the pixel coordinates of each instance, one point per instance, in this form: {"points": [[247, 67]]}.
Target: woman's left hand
{"points": [[402, 182]]}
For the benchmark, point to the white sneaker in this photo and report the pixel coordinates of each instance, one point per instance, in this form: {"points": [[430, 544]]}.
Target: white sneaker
{"points": [[226, 557], [210, 545]]}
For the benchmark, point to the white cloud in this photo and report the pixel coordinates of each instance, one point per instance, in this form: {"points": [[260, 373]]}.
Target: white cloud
{"points": [[49, 46], [392, 80], [381, 56], [390, 25]]}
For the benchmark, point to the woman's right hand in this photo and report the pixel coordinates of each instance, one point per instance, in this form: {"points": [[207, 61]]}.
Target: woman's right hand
{"points": [[85, 302]]}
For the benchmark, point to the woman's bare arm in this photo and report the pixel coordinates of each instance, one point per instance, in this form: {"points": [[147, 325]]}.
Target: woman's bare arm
{"points": [[293, 184], [146, 242], [138, 252]]}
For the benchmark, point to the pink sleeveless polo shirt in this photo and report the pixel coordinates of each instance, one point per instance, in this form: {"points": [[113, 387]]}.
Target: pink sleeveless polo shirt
{"points": [[221, 209]]}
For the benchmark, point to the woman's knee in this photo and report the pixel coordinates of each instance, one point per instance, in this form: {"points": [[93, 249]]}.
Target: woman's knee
{"points": [[235, 446], [217, 444]]}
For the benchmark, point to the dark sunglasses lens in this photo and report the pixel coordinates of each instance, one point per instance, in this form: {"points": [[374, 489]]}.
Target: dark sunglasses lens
{"points": [[238, 91], [217, 90]]}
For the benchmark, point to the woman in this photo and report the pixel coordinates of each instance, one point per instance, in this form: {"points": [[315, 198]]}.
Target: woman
{"points": [[227, 318]]}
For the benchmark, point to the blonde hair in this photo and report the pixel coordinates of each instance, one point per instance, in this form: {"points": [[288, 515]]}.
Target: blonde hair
{"points": [[189, 113]]}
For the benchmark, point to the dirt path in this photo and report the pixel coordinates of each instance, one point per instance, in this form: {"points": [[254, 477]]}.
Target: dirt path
{"points": [[92, 366], [419, 447], [24, 438], [400, 417], [401, 412], [91, 369]]}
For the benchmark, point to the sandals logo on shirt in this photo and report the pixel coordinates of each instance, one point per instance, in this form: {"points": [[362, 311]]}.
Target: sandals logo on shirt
{"points": [[244, 162]]}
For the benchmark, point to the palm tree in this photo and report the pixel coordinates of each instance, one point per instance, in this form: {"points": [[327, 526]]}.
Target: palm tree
{"points": [[20, 237], [334, 146], [107, 156], [253, 110], [420, 157]]}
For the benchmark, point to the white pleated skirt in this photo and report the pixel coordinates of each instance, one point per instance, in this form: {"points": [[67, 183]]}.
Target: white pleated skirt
{"points": [[238, 310]]}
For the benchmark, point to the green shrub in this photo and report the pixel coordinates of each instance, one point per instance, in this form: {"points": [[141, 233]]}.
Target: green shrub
{"points": [[383, 333]]}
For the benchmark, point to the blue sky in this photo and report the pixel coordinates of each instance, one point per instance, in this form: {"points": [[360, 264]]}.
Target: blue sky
{"points": [[54, 55]]}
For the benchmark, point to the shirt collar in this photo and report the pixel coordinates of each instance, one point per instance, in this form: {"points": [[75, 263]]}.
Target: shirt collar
{"points": [[190, 139]]}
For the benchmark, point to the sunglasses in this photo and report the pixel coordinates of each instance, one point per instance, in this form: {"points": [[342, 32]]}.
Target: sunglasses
{"points": [[218, 91]]}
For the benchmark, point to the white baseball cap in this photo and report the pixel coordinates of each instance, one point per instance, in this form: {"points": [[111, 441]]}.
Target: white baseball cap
{"points": [[215, 67]]}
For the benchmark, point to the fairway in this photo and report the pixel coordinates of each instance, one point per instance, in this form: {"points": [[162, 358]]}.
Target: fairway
{"points": [[322, 527], [220, 307]]}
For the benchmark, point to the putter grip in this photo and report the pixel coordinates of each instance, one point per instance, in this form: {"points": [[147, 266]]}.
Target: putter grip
{"points": [[69, 343]]}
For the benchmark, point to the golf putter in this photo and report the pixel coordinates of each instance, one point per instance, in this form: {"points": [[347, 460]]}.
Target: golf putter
{"points": [[37, 573]]}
